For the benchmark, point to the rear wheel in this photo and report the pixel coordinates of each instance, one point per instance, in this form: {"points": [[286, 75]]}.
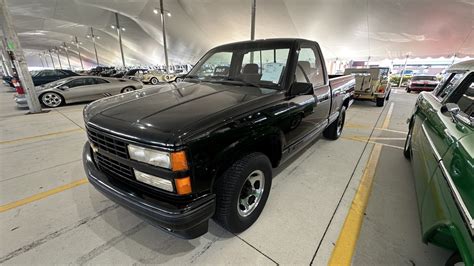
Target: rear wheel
{"points": [[127, 89], [154, 81], [388, 96], [334, 130], [380, 102], [242, 192], [51, 99], [455, 259]]}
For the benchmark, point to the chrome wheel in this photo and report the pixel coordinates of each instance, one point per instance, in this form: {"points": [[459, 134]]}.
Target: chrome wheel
{"points": [[408, 142], [251, 193], [128, 89], [154, 81], [51, 99]]}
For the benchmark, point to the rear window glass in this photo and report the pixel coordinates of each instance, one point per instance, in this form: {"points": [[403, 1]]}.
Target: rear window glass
{"points": [[430, 78]]}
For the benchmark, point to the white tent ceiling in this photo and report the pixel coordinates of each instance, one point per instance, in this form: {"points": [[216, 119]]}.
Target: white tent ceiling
{"points": [[346, 29]]}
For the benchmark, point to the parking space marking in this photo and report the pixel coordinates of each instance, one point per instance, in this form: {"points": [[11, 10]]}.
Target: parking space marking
{"points": [[42, 195], [41, 136], [346, 243], [386, 122], [364, 139]]}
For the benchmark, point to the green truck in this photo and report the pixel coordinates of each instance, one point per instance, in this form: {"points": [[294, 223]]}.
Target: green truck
{"points": [[440, 144]]}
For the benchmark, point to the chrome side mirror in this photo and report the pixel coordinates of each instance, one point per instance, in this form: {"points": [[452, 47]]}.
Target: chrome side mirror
{"points": [[451, 108]]}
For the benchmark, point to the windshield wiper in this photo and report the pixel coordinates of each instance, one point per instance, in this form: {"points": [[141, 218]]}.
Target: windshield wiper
{"points": [[245, 82]]}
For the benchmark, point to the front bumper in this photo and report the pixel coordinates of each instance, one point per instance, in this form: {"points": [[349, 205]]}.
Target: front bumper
{"points": [[421, 88], [21, 101], [188, 222]]}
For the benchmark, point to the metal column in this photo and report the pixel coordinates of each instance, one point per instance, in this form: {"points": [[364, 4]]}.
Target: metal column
{"points": [[252, 22], [51, 56], [164, 36], [120, 38], [403, 71], [59, 59], [46, 61], [67, 55], [78, 51], [13, 44], [95, 49]]}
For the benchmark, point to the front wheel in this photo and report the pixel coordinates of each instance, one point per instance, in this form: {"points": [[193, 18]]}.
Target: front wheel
{"points": [[334, 130], [51, 99], [127, 89], [407, 147], [154, 81], [242, 192]]}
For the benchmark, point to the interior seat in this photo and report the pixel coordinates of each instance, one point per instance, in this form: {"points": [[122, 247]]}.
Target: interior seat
{"points": [[250, 73]]}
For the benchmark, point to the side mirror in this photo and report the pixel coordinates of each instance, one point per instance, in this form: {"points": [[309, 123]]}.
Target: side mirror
{"points": [[300, 88], [63, 87], [451, 108]]}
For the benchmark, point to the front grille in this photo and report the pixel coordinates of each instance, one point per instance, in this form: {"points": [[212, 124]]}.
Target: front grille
{"points": [[108, 144], [113, 168]]}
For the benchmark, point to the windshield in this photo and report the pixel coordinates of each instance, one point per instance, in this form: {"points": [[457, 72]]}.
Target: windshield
{"points": [[259, 66]]}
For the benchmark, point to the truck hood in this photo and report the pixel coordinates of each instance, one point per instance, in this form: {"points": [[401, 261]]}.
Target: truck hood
{"points": [[165, 113]]}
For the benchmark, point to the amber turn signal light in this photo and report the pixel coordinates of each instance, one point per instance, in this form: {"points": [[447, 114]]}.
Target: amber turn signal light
{"points": [[183, 185], [178, 161]]}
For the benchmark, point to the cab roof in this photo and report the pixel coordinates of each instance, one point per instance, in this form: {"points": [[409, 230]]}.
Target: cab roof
{"points": [[462, 66]]}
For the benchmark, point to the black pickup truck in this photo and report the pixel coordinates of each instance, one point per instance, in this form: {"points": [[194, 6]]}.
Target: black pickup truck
{"points": [[182, 153]]}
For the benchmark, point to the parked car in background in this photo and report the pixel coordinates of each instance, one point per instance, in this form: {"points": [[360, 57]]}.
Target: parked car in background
{"points": [[135, 74], [422, 83], [371, 84], [154, 77], [50, 75], [179, 154], [80, 88], [440, 144]]}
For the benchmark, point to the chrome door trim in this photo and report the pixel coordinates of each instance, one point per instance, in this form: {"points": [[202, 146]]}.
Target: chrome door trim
{"points": [[457, 197], [430, 141]]}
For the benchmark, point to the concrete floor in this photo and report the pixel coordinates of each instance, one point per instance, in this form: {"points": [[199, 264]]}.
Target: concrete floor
{"points": [[309, 201]]}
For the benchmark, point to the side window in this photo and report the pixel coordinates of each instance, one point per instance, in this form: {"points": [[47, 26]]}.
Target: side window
{"points": [[448, 85], [309, 67], [100, 81], [46, 73], [89, 81], [76, 83], [464, 98]]}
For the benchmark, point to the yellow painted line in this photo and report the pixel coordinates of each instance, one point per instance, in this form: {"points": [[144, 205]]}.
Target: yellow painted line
{"points": [[346, 243], [386, 121], [41, 136], [364, 139], [42, 195]]}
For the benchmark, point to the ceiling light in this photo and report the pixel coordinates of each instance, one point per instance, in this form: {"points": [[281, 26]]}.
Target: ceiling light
{"points": [[155, 11], [168, 14], [88, 36], [97, 37], [112, 26], [123, 29]]}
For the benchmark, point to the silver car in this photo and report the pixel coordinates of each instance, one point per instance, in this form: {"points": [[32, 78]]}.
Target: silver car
{"points": [[80, 89]]}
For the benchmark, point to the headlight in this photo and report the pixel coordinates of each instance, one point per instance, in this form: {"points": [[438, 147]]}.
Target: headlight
{"points": [[154, 180], [153, 157]]}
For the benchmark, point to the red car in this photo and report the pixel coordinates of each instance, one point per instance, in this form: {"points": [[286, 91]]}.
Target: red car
{"points": [[422, 83]]}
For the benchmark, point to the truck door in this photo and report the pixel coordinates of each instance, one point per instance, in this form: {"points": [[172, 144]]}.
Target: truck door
{"points": [[310, 69]]}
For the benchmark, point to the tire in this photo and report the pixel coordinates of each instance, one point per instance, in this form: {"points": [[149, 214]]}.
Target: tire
{"points": [[154, 81], [455, 259], [380, 102], [407, 146], [51, 99], [127, 89], [388, 96], [408, 90], [233, 188], [334, 130]]}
